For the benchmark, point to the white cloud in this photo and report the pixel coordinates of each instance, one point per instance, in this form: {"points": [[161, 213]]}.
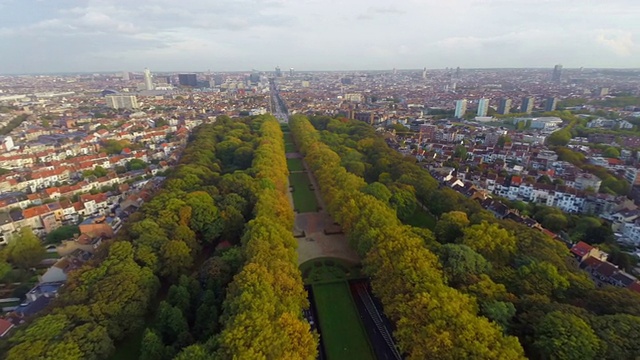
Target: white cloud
{"points": [[620, 42]]}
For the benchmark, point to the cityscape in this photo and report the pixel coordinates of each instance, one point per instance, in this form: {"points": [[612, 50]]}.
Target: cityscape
{"points": [[276, 180]]}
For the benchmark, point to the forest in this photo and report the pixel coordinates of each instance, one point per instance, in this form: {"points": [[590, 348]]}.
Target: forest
{"points": [[521, 290], [205, 270]]}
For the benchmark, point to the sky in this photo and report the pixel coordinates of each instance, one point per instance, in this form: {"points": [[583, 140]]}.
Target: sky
{"points": [[44, 36]]}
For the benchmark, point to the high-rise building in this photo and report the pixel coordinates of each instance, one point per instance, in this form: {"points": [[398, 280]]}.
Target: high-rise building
{"points": [[557, 73], [125, 76], [122, 101], [291, 72], [458, 72], [603, 91], [148, 79], [278, 71], [254, 77], [461, 108], [504, 106], [424, 73], [550, 104], [483, 107], [527, 105], [218, 80], [188, 80]]}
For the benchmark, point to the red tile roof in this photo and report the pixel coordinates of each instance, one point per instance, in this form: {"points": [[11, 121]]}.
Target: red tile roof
{"points": [[581, 249]]}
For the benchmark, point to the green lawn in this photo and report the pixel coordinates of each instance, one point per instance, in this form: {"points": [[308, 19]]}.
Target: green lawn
{"points": [[329, 270], [290, 148], [288, 138], [52, 255], [422, 219], [295, 165], [304, 200], [342, 332]]}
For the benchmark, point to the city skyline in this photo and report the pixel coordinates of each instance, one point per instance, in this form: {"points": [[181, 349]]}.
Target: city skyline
{"points": [[98, 36]]}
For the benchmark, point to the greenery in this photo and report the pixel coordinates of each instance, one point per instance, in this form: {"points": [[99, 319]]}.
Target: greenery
{"points": [[343, 333], [398, 262], [512, 275], [14, 123], [171, 241], [62, 233], [304, 199]]}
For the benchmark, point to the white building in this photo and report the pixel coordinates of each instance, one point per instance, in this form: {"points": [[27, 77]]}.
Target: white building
{"points": [[483, 107], [461, 108], [122, 101]]}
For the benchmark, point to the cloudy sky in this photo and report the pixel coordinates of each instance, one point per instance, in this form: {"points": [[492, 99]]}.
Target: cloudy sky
{"points": [[196, 35]]}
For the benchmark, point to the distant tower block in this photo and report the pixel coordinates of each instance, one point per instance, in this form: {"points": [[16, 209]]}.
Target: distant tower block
{"points": [[557, 73], [504, 106], [424, 74], [148, 80]]}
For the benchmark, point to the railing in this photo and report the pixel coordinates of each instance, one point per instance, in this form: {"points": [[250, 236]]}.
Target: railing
{"points": [[363, 292]]}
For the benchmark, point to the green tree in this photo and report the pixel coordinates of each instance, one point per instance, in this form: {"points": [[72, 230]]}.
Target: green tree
{"points": [[460, 152], [378, 190], [152, 347], [500, 312], [62, 233], [491, 241], [176, 258], [403, 201], [25, 250], [136, 164], [450, 226], [542, 278], [461, 265], [611, 152], [555, 222], [194, 352], [565, 336], [619, 334]]}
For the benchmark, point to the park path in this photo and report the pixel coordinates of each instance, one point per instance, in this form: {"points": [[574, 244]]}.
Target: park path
{"points": [[315, 243]]}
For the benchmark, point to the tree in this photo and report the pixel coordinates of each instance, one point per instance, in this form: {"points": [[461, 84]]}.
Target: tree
{"points": [[194, 352], [450, 226], [136, 164], [206, 323], [541, 277], [378, 190], [152, 347], [25, 250], [555, 222], [611, 152], [560, 137], [176, 258], [500, 312], [544, 179], [461, 264], [619, 334], [565, 336], [460, 152], [493, 242], [403, 201], [62, 233]]}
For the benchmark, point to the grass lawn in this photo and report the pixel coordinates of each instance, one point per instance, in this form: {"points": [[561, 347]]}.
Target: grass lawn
{"points": [[295, 165], [422, 219], [304, 200], [288, 138], [290, 148], [329, 270], [342, 331], [52, 255]]}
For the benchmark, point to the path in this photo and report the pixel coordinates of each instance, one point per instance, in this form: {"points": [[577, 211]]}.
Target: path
{"points": [[315, 243]]}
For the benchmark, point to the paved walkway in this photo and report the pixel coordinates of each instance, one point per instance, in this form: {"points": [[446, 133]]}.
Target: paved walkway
{"points": [[316, 243]]}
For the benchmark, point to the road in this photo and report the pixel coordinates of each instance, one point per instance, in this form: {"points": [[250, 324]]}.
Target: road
{"points": [[280, 110]]}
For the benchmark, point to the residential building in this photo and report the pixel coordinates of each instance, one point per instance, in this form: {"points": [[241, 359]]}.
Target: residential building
{"points": [[551, 104], [461, 108], [504, 106], [122, 101], [483, 107], [527, 105]]}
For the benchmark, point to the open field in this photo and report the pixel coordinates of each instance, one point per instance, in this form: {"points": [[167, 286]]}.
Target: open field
{"points": [[295, 164], [342, 331], [304, 199], [422, 219]]}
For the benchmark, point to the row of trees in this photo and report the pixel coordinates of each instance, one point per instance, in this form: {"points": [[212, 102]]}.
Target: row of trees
{"points": [[433, 320], [516, 274], [263, 308], [108, 299]]}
